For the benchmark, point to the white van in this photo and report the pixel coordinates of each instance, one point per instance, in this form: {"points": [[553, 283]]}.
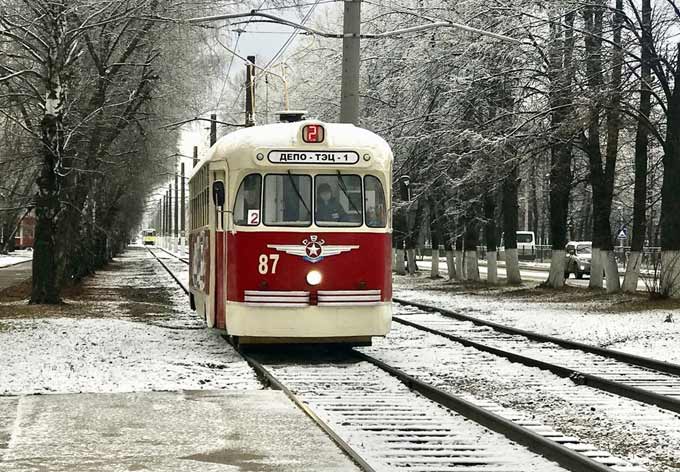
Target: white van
{"points": [[526, 245]]}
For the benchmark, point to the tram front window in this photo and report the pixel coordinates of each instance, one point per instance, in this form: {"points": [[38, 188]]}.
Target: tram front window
{"points": [[247, 205], [287, 200], [338, 200], [376, 210]]}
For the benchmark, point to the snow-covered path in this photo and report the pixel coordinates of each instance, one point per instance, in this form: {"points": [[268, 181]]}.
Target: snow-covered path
{"points": [[131, 331]]}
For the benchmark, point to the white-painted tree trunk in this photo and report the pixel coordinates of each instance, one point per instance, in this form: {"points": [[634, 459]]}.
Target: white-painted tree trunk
{"points": [[611, 270], [670, 273], [434, 271], [411, 257], [399, 266], [596, 269], [492, 267], [451, 265], [630, 280], [512, 267], [471, 266], [556, 276], [460, 266]]}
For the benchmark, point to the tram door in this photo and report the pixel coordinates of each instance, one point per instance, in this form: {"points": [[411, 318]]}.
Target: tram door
{"points": [[219, 236]]}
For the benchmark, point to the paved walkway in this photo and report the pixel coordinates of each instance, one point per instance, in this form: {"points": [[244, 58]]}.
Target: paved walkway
{"points": [[15, 274], [163, 431]]}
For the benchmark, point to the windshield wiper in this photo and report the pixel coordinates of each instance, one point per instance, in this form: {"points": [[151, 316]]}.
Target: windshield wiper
{"points": [[343, 187], [297, 192]]}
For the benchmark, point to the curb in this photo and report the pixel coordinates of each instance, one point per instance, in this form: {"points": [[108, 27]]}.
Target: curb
{"points": [[15, 264]]}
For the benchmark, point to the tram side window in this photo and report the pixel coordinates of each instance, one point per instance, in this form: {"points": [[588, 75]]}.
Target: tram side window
{"points": [[247, 205], [338, 200], [376, 210], [287, 200]]}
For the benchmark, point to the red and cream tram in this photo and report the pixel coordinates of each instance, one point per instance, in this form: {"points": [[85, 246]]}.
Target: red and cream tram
{"points": [[290, 234]]}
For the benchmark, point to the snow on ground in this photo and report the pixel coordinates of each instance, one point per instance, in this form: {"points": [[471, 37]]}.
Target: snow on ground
{"points": [[644, 333], [15, 257], [130, 330]]}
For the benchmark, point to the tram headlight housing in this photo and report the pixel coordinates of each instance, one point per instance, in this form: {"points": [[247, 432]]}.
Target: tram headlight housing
{"points": [[314, 277]]}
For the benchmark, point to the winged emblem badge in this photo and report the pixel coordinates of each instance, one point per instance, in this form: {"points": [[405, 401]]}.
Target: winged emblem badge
{"points": [[312, 250]]}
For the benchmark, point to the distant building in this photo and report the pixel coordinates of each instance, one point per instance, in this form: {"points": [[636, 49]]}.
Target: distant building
{"points": [[24, 236]]}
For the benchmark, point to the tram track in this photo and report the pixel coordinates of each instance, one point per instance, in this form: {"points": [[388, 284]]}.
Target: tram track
{"points": [[643, 379], [337, 409]]}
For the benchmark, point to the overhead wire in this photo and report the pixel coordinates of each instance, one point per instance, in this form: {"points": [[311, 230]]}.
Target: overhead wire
{"points": [[281, 50], [226, 78]]}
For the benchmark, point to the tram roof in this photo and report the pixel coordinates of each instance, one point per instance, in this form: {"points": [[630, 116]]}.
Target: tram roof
{"points": [[240, 147]]}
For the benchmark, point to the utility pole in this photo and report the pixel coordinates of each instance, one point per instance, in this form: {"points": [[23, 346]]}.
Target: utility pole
{"points": [[167, 214], [159, 226], [250, 91], [351, 61], [170, 210], [164, 214], [213, 129], [182, 209], [176, 233], [195, 156]]}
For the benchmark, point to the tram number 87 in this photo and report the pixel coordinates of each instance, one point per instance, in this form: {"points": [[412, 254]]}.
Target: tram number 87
{"points": [[263, 267]]}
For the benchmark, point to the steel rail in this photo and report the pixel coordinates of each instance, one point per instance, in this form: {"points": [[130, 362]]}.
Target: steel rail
{"points": [[171, 254], [273, 382], [632, 359], [580, 378], [172, 274], [547, 448]]}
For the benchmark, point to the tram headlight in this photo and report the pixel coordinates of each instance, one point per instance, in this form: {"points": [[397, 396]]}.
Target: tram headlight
{"points": [[313, 277]]}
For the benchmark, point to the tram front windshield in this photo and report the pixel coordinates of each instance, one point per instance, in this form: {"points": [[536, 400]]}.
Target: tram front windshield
{"points": [[328, 200]]}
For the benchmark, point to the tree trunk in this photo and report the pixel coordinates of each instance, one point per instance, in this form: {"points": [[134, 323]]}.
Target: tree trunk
{"points": [[670, 198], [45, 288], [398, 241], [450, 262], [414, 221], [411, 259], [630, 281], [460, 264], [434, 236], [561, 77], [510, 195], [490, 237], [471, 256]]}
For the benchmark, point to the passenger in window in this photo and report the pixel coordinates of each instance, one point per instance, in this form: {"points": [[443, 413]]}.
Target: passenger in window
{"points": [[251, 198], [327, 207]]}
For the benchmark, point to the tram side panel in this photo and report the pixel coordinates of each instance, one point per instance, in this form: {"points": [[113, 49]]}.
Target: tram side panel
{"points": [[199, 269]]}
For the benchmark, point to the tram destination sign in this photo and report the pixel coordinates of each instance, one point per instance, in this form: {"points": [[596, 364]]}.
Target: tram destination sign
{"points": [[313, 157]]}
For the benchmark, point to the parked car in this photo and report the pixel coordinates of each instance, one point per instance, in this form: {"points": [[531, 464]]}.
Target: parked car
{"points": [[526, 245], [579, 255]]}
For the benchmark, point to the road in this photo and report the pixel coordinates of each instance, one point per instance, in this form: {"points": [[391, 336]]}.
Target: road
{"points": [[528, 275], [15, 274]]}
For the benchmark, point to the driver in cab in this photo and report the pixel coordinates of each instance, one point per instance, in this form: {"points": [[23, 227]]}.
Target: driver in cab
{"points": [[327, 207]]}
